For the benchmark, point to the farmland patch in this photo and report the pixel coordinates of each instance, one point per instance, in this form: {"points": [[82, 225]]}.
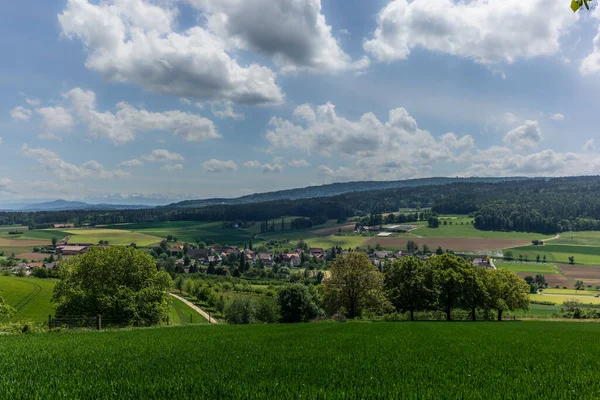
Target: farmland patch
{"points": [[472, 244]]}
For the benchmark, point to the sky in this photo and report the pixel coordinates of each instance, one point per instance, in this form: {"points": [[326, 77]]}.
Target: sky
{"points": [[153, 101]]}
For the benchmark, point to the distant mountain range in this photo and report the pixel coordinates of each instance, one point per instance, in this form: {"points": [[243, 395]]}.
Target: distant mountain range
{"points": [[65, 205], [333, 189]]}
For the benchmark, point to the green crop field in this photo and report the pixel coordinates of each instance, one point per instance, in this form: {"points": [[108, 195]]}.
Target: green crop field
{"points": [[560, 253], [570, 292], [30, 296], [113, 236], [189, 231], [588, 238], [468, 231], [344, 241], [328, 360], [532, 268], [559, 299], [44, 234]]}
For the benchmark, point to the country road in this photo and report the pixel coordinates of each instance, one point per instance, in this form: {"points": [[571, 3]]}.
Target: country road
{"points": [[196, 308]]}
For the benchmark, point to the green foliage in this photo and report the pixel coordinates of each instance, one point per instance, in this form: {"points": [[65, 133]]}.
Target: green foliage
{"points": [[5, 309], [241, 311], [409, 285], [120, 283], [298, 303]]}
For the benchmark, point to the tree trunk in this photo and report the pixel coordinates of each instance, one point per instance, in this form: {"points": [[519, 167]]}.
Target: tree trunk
{"points": [[500, 315], [486, 314], [473, 315], [448, 314], [412, 314]]}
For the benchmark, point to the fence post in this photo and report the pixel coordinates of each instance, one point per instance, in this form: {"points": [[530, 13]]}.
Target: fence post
{"points": [[99, 322], [49, 322]]}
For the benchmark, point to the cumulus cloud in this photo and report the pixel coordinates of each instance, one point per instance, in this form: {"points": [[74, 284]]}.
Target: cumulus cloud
{"points": [[591, 63], [20, 113], [252, 164], [131, 163], [525, 137], [214, 166], [136, 42], [225, 111], [293, 33], [56, 118], [589, 146], [32, 102], [488, 32], [163, 156], [53, 164], [172, 168], [267, 168], [299, 163], [544, 163], [122, 126], [557, 117]]}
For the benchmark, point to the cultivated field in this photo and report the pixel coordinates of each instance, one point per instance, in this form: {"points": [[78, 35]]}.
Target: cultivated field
{"points": [[588, 238], [472, 244], [113, 236], [326, 360], [30, 296], [560, 253], [468, 231]]}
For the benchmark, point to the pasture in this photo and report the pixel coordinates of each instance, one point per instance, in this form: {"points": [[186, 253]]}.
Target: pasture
{"points": [[467, 230], [113, 236], [587, 238], [325, 360], [529, 268], [559, 253]]}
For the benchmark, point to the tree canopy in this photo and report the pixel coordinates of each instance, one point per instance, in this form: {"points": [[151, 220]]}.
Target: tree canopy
{"points": [[120, 283]]}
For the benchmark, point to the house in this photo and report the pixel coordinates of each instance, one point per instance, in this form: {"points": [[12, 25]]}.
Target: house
{"points": [[72, 250], [36, 265], [266, 258], [383, 254], [293, 259], [199, 253], [487, 263], [176, 249], [50, 265], [59, 226], [316, 252]]}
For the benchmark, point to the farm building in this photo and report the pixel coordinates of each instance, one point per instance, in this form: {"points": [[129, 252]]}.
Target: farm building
{"points": [[199, 253], [72, 250], [60, 226]]}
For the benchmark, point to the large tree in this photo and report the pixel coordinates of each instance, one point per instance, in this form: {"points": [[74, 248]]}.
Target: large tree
{"points": [[120, 283], [507, 291], [298, 303], [354, 285], [409, 286], [449, 274]]}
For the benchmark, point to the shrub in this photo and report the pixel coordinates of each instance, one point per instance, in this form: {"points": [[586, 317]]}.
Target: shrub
{"points": [[240, 311]]}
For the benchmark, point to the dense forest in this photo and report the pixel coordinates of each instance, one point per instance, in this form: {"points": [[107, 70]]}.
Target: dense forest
{"points": [[534, 205]]}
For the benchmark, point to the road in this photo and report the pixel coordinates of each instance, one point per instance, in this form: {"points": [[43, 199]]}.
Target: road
{"points": [[196, 308]]}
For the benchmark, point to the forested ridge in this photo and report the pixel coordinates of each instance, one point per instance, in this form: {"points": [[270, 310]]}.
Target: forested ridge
{"points": [[534, 205]]}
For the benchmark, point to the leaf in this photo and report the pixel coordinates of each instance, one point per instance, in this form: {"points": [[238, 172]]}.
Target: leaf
{"points": [[586, 4], [575, 6]]}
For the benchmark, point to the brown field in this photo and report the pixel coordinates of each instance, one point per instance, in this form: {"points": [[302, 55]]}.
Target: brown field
{"points": [[22, 243], [589, 275], [470, 244], [334, 230], [552, 279], [33, 256]]}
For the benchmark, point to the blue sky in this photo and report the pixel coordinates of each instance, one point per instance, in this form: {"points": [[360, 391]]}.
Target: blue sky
{"points": [[120, 100]]}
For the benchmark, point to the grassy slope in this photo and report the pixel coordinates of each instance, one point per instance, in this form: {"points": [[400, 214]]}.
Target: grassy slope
{"points": [[532, 268], [30, 296], [180, 314], [352, 360], [589, 238], [560, 253]]}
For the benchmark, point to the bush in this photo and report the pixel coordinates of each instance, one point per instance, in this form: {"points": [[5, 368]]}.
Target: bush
{"points": [[267, 310], [298, 303], [240, 311]]}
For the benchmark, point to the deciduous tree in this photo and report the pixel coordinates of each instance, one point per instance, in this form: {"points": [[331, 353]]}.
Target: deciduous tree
{"points": [[408, 285]]}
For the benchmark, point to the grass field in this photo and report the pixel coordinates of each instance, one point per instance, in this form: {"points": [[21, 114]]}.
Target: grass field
{"points": [[180, 314], [468, 231], [521, 360], [30, 296], [532, 268], [560, 253], [189, 231], [113, 236], [344, 241], [588, 238], [559, 299]]}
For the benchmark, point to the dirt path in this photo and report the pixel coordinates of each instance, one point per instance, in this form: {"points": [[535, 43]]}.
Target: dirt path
{"points": [[196, 308]]}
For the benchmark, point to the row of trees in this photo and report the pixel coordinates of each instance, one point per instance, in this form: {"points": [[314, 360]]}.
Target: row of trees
{"points": [[443, 283]]}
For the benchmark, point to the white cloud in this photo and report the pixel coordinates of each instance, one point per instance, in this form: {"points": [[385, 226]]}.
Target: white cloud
{"points": [[299, 163], [33, 102], [49, 136], [219, 166], [525, 137], [489, 32], [122, 126], [267, 168], [133, 41], [557, 117], [294, 33], [185, 101], [53, 164], [591, 63], [20, 113], [252, 164], [56, 118], [589, 146], [344, 32], [6, 185], [131, 163], [163, 156], [172, 168], [224, 111]]}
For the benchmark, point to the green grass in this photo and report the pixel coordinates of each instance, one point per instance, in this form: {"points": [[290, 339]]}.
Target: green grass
{"points": [[559, 299], [30, 296], [344, 241], [44, 234], [522, 360], [180, 314], [468, 231], [560, 253], [588, 238], [570, 292], [189, 231], [113, 236], [535, 311], [543, 269]]}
